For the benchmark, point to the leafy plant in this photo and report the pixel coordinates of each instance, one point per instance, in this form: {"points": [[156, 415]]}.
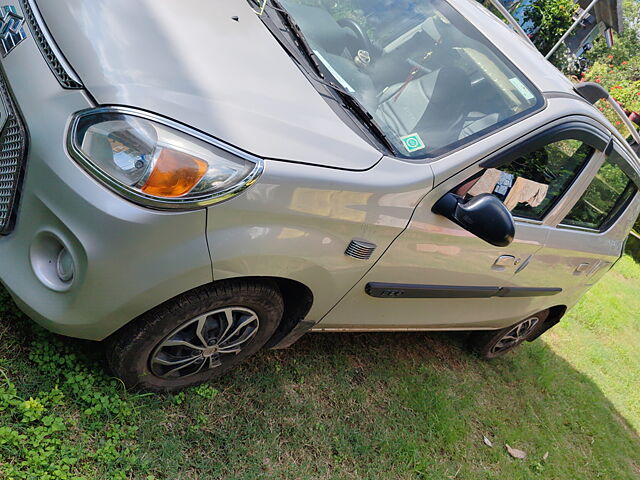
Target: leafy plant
{"points": [[552, 18], [35, 442], [206, 391], [622, 80]]}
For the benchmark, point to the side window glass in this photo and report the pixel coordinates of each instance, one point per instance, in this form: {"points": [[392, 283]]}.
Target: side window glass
{"points": [[605, 198], [532, 184]]}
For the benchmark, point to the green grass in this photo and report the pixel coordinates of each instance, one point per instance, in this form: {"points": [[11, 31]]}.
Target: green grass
{"points": [[410, 405]]}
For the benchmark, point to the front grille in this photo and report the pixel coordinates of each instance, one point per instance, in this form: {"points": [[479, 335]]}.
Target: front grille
{"points": [[13, 147], [58, 65]]}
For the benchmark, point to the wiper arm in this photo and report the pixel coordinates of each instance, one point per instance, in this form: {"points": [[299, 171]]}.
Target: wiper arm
{"points": [[260, 5], [353, 104], [350, 102], [301, 41]]}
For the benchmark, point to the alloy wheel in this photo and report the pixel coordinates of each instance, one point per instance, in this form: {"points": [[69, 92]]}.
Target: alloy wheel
{"points": [[515, 336], [204, 342]]}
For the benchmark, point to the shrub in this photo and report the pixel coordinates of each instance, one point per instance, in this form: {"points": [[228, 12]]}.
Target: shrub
{"points": [[622, 80]]}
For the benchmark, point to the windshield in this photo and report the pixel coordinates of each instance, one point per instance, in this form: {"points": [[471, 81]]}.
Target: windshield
{"points": [[428, 78]]}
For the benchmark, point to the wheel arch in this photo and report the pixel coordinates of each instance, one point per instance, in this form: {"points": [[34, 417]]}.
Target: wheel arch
{"points": [[555, 315], [297, 298]]}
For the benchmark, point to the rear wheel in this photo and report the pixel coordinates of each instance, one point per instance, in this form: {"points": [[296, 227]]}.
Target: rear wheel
{"points": [[495, 343], [195, 337]]}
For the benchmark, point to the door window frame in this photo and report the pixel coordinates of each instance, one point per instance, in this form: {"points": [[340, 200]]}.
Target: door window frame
{"points": [[616, 155], [570, 129]]}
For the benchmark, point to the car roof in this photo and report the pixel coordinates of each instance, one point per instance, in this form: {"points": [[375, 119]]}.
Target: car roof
{"points": [[518, 50]]}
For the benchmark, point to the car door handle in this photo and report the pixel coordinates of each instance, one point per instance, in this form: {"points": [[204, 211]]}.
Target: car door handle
{"points": [[580, 269], [503, 262]]}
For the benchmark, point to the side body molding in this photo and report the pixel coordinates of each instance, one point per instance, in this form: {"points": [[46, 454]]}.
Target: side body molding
{"points": [[399, 290]]}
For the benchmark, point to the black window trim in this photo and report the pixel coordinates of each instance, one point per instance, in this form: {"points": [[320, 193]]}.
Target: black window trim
{"points": [[572, 130], [620, 158]]}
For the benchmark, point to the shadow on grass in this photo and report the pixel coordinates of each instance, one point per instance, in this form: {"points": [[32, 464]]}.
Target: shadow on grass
{"points": [[375, 405], [446, 399]]}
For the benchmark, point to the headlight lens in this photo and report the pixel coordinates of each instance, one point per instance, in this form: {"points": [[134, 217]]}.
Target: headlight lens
{"points": [[157, 162]]}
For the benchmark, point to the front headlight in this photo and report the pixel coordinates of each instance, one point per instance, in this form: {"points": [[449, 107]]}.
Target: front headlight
{"points": [[157, 162]]}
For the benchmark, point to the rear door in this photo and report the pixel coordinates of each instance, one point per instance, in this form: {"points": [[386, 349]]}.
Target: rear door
{"points": [[588, 230], [438, 276]]}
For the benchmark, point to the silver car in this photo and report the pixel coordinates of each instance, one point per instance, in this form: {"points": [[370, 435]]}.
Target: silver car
{"points": [[193, 181]]}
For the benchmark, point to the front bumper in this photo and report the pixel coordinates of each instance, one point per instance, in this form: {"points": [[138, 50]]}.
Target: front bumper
{"points": [[128, 259]]}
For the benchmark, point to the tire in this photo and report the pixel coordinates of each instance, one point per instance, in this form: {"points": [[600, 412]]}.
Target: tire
{"points": [[234, 318], [487, 344]]}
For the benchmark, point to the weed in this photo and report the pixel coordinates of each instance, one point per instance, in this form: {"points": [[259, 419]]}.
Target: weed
{"points": [[206, 391], [40, 439]]}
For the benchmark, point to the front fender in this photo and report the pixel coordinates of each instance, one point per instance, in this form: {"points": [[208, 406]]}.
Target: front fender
{"points": [[297, 221]]}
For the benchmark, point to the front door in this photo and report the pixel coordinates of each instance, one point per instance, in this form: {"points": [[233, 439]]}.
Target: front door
{"points": [[438, 276]]}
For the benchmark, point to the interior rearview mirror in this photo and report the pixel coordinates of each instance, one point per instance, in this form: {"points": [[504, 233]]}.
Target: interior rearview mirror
{"points": [[483, 215]]}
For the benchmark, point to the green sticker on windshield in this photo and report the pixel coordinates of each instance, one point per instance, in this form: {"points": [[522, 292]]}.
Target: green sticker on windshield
{"points": [[412, 142]]}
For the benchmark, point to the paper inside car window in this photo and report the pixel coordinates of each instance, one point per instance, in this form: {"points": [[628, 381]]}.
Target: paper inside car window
{"points": [[511, 192]]}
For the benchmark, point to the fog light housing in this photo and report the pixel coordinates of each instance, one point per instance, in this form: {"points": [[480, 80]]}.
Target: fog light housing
{"points": [[65, 267], [52, 261]]}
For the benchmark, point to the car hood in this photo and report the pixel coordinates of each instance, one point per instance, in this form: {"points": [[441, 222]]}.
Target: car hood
{"points": [[210, 64]]}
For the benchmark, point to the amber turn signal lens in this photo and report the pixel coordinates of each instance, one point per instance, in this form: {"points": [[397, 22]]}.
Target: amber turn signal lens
{"points": [[174, 174]]}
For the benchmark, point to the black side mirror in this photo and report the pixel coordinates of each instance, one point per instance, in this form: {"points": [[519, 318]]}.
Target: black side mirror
{"points": [[484, 215]]}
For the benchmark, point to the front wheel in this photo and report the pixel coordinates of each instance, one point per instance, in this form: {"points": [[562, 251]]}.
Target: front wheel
{"points": [[495, 343], [196, 336]]}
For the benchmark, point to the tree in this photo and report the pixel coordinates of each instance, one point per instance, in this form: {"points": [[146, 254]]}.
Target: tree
{"points": [[626, 45], [552, 18]]}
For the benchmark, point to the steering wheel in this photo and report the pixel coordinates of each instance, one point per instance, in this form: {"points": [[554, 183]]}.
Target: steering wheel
{"points": [[362, 38]]}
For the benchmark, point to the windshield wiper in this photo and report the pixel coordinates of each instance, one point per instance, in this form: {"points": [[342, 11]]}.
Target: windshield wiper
{"points": [[350, 102], [301, 41], [354, 105]]}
